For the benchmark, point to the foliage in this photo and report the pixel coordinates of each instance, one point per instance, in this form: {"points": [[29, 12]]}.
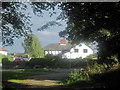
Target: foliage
{"points": [[16, 23], [32, 46], [98, 75], [5, 61], [49, 61], [6, 64], [7, 57], [94, 21], [93, 56], [77, 76], [97, 68], [36, 61]]}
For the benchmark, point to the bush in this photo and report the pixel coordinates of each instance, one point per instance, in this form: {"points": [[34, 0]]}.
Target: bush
{"points": [[36, 61], [97, 68], [5, 61], [51, 61], [93, 56], [77, 76], [3, 56]]}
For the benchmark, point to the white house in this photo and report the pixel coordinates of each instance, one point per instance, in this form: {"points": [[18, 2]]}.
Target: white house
{"points": [[3, 51], [67, 50]]}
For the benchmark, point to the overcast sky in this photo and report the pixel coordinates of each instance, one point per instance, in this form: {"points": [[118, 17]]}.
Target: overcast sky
{"points": [[50, 35]]}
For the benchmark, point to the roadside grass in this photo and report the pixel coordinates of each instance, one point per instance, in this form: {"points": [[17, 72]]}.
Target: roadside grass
{"points": [[6, 75], [37, 70], [20, 74]]}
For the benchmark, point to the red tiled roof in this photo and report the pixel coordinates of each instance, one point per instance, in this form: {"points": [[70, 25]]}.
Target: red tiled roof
{"points": [[2, 49]]}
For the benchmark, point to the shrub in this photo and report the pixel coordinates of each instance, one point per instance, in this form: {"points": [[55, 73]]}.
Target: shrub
{"points": [[7, 57], [77, 76], [99, 68], [36, 61], [5, 61], [92, 56]]}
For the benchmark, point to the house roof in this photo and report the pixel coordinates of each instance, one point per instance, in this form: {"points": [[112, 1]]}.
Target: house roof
{"points": [[2, 49], [20, 54], [58, 47]]}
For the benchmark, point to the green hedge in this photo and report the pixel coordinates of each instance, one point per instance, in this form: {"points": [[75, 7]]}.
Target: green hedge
{"points": [[3, 56], [49, 61]]}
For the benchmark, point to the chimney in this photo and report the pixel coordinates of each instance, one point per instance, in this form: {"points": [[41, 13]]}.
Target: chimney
{"points": [[90, 44], [62, 41]]}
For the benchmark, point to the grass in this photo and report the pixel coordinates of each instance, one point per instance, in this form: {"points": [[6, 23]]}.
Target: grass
{"points": [[37, 70], [6, 75], [14, 80], [20, 74]]}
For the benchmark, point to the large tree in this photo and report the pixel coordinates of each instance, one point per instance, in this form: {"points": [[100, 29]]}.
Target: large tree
{"points": [[94, 21], [16, 22], [32, 46]]}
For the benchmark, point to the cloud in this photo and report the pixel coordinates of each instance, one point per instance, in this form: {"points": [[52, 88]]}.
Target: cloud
{"points": [[48, 33]]}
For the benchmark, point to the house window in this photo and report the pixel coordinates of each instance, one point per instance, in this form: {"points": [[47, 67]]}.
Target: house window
{"points": [[85, 50], [76, 50]]}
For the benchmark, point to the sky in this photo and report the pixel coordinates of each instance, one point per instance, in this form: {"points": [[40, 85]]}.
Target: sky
{"points": [[47, 36]]}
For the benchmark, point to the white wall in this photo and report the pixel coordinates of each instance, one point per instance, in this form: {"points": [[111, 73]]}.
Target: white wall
{"points": [[3, 52], [80, 53], [52, 52]]}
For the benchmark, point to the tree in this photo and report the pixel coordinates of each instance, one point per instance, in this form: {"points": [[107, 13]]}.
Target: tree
{"points": [[16, 22], [94, 22], [32, 46]]}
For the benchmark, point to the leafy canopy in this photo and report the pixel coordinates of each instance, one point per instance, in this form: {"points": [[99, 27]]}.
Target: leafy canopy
{"points": [[16, 23]]}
